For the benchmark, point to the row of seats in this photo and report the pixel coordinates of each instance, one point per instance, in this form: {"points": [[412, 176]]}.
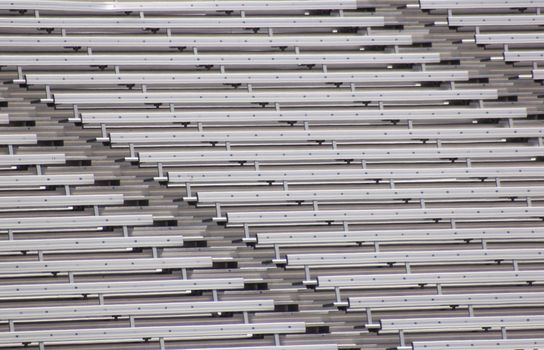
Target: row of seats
{"points": [[193, 22], [190, 6]]}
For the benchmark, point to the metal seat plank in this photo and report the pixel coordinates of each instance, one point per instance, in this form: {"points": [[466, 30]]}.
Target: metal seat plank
{"points": [[399, 236], [191, 22], [103, 265], [458, 324], [138, 309], [345, 135], [315, 216], [49, 222], [55, 290], [449, 193], [352, 175], [401, 302], [353, 76], [82, 244], [32, 159], [196, 157], [269, 96], [330, 115], [480, 344], [478, 4], [204, 59], [495, 20], [412, 257], [186, 6], [11, 181], [201, 41], [129, 334], [396, 280], [59, 201]]}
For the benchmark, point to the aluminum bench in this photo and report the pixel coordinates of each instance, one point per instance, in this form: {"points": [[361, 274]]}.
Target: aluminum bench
{"points": [[270, 96], [82, 244], [495, 20], [4, 118], [11, 181], [524, 56], [351, 175], [332, 260], [186, 6], [311, 115], [399, 236], [32, 159], [168, 60], [509, 38], [131, 334], [18, 139], [320, 346], [103, 265], [397, 280], [50, 222], [295, 217], [346, 155], [480, 344], [217, 41], [340, 135], [21, 202], [538, 74], [191, 22], [353, 76], [176, 286], [299, 196], [478, 4], [133, 310], [432, 301], [458, 324]]}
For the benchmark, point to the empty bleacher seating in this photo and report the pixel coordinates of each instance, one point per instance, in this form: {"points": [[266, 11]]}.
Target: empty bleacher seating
{"points": [[271, 175]]}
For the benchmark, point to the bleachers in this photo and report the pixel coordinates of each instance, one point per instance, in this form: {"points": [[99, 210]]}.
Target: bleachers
{"points": [[356, 174], [514, 23]]}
